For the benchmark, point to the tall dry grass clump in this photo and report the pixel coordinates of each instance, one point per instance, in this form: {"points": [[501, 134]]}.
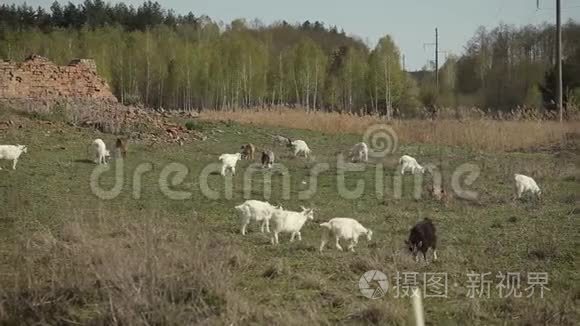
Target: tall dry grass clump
{"points": [[125, 271], [481, 133]]}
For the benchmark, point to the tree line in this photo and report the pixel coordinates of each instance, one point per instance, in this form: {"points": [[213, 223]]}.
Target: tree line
{"points": [[152, 56]]}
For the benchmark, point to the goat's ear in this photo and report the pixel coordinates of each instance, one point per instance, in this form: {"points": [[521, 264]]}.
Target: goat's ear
{"points": [[420, 244], [303, 208]]}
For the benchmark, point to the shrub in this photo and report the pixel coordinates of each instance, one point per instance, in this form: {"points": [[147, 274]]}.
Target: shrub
{"points": [[191, 125]]}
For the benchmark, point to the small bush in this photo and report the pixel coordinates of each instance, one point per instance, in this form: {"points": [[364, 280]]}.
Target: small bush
{"points": [[191, 125]]}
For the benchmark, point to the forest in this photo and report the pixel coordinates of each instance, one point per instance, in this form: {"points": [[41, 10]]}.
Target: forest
{"points": [[154, 57]]}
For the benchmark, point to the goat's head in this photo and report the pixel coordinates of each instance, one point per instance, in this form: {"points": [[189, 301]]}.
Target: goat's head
{"points": [[413, 247], [23, 148], [369, 234], [308, 212], [421, 169]]}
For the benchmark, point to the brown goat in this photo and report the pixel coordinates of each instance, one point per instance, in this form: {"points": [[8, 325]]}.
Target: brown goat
{"points": [[248, 151], [121, 145], [439, 194]]}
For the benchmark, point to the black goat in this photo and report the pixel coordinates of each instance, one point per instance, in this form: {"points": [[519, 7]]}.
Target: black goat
{"points": [[421, 238]]}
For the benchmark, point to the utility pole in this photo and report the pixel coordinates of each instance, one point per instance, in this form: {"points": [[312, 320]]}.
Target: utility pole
{"points": [[437, 59], [559, 59]]}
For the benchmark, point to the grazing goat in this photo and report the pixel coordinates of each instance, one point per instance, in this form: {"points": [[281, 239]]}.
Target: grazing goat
{"points": [[121, 145], [290, 222], [343, 228], [12, 152], [299, 146], [421, 238], [359, 152], [100, 151], [526, 184], [267, 159], [280, 140], [409, 163], [256, 210], [439, 194], [248, 151], [229, 162]]}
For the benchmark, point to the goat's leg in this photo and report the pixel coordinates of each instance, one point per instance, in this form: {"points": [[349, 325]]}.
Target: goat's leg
{"points": [[292, 236], [244, 226], [338, 244], [14, 163], [322, 244], [299, 236], [223, 172], [262, 226], [434, 254], [324, 240], [351, 246], [268, 225]]}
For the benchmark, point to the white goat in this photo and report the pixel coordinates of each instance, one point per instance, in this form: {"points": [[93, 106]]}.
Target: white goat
{"points": [[359, 152], [526, 184], [12, 152], [409, 163], [299, 147], [100, 151], [290, 222], [344, 228], [258, 211], [229, 162]]}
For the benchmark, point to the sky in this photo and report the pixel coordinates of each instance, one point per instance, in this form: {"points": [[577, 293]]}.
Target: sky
{"points": [[410, 22]]}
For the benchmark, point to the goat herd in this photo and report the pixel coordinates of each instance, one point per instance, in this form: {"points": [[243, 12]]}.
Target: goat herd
{"points": [[422, 236]]}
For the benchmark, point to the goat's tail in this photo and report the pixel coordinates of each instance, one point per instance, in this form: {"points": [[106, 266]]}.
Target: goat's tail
{"points": [[221, 157], [325, 225]]}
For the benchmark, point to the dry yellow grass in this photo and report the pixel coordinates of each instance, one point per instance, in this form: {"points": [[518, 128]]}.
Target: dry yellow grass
{"points": [[483, 134]]}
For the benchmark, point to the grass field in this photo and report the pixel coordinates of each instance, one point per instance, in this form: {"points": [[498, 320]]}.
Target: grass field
{"points": [[69, 257]]}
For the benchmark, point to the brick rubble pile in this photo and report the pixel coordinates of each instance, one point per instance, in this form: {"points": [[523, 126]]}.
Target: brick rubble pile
{"points": [[39, 78]]}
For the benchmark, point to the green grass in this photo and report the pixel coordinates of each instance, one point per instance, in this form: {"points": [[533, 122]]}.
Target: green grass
{"points": [[49, 197]]}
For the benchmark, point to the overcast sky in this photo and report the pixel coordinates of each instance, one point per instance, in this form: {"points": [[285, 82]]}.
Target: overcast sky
{"points": [[410, 22]]}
